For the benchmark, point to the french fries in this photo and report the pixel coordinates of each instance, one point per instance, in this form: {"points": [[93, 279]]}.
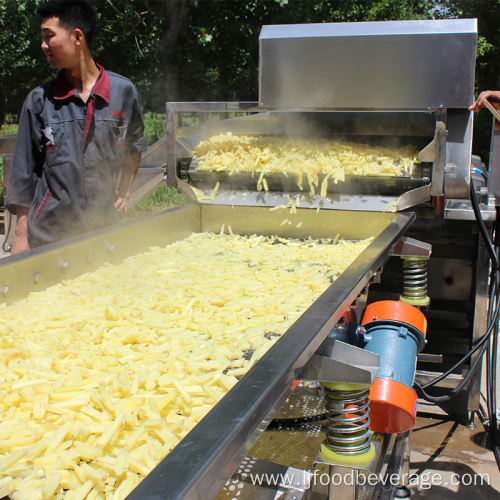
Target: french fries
{"points": [[103, 375], [302, 158]]}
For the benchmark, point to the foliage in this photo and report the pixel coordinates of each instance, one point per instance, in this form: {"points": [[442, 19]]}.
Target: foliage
{"points": [[178, 49], [5, 129], [487, 13], [22, 65], [9, 128], [162, 197], [155, 126], [194, 50], [1, 180]]}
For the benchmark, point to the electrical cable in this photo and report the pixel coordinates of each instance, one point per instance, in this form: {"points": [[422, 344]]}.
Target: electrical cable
{"points": [[492, 408], [492, 347], [492, 392], [482, 228], [299, 421], [493, 319], [456, 390], [462, 360], [476, 170], [486, 345]]}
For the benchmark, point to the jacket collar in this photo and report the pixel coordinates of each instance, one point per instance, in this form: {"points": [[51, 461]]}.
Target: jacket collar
{"points": [[64, 90]]}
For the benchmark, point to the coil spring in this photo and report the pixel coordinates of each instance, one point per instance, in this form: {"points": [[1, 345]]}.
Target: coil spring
{"points": [[415, 279], [348, 421]]}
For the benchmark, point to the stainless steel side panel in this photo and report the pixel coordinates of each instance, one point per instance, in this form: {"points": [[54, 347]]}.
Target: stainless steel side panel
{"points": [[201, 463], [458, 154], [494, 166], [40, 268], [390, 64], [353, 225]]}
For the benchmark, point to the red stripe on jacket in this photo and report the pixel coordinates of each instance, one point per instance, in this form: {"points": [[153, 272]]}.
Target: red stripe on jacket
{"points": [[40, 208]]}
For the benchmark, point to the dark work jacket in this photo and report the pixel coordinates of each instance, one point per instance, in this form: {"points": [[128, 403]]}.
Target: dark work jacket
{"points": [[69, 155]]}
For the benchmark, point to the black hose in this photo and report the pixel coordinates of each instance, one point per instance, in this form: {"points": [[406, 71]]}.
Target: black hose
{"points": [[478, 344], [487, 345], [493, 415], [299, 421], [482, 228], [456, 390]]}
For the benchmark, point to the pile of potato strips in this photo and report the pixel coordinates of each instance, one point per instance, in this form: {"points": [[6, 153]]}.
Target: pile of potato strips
{"points": [[103, 375], [302, 158]]}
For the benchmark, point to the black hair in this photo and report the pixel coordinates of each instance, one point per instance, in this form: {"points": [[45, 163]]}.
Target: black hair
{"points": [[72, 14]]}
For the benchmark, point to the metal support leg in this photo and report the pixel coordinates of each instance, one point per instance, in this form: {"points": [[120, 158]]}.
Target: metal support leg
{"points": [[344, 483], [471, 425], [388, 490], [402, 490]]}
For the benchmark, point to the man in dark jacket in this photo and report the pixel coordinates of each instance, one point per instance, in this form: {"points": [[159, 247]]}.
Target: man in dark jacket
{"points": [[80, 137]]}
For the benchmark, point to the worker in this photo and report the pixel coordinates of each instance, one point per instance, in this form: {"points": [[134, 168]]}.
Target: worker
{"points": [[493, 97], [80, 137]]}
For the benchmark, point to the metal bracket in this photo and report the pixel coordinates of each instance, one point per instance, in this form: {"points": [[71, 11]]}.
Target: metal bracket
{"points": [[431, 152], [414, 197], [336, 361], [410, 247], [435, 152], [185, 188]]}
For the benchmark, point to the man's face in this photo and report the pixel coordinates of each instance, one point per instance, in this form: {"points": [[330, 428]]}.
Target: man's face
{"points": [[58, 44]]}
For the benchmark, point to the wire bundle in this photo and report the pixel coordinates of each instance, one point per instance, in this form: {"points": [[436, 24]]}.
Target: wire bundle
{"points": [[487, 344]]}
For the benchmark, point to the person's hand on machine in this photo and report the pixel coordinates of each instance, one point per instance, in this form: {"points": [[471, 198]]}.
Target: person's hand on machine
{"points": [[493, 98]]}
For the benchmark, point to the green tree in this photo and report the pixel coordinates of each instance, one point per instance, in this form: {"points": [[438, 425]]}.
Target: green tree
{"points": [[487, 12], [177, 49], [208, 49], [140, 39], [220, 43], [22, 65]]}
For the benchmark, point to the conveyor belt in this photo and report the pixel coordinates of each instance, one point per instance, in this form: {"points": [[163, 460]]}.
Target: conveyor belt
{"points": [[376, 185]]}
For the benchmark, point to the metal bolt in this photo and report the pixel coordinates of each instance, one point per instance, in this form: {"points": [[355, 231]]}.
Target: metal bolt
{"points": [[111, 249], [5, 289], [36, 278], [361, 330], [64, 267]]}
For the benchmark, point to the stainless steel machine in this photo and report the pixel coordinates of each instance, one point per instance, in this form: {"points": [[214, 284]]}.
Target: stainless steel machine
{"points": [[386, 83], [382, 83]]}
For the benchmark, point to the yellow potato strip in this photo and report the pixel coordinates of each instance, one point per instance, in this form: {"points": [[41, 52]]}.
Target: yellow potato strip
{"points": [[143, 351], [298, 156]]}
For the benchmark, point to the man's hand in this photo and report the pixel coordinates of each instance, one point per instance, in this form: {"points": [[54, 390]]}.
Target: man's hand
{"points": [[121, 203], [126, 181], [20, 243], [493, 97]]}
